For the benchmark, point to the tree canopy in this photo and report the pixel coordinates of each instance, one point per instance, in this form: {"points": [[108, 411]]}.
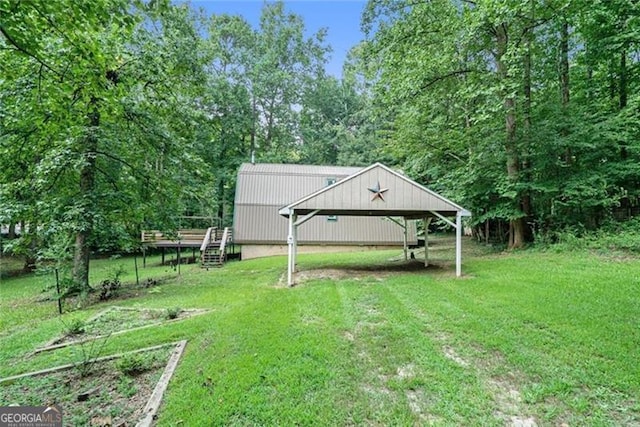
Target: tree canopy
{"points": [[117, 115]]}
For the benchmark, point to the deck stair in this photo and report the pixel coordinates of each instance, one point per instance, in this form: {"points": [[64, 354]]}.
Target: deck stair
{"points": [[214, 246]]}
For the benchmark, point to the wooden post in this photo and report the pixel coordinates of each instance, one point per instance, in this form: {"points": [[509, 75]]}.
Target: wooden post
{"points": [[295, 243], [290, 258], [135, 263], [58, 290], [178, 258]]}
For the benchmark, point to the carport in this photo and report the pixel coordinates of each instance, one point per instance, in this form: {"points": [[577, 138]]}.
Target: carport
{"points": [[374, 191]]}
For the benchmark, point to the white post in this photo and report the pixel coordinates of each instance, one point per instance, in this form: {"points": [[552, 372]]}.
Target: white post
{"points": [[458, 244], [290, 258], [405, 247], [295, 243], [425, 223]]}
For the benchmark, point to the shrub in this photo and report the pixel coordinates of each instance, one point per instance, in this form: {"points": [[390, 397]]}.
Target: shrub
{"points": [[75, 327], [109, 287], [134, 364], [173, 313]]}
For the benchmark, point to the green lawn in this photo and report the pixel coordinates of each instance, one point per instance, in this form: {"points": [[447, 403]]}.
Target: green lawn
{"points": [[553, 337]]}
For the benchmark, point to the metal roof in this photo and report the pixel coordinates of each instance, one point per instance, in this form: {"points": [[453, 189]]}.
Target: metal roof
{"points": [[375, 191]]}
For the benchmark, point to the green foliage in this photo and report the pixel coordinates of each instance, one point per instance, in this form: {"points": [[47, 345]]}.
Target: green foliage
{"points": [[133, 364], [481, 108], [173, 313], [127, 386], [76, 326], [109, 287], [612, 237]]}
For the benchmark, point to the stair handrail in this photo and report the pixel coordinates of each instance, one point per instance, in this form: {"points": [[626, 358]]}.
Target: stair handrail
{"points": [[207, 239], [223, 243]]}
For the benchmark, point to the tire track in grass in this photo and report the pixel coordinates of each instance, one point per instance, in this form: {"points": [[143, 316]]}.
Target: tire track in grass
{"points": [[504, 389], [405, 378], [367, 330]]}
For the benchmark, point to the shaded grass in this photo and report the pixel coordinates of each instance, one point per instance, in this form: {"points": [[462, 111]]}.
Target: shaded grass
{"points": [[554, 337]]}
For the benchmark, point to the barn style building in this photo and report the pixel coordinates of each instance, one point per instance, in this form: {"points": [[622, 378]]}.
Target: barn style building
{"points": [[263, 189]]}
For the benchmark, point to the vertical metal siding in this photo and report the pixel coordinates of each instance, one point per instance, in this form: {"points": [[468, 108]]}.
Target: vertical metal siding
{"points": [[262, 189]]}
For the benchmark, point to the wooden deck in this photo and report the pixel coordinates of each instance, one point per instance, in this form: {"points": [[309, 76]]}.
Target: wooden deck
{"points": [[188, 238], [211, 243]]}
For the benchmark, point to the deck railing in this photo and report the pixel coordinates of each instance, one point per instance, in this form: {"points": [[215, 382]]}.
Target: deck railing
{"points": [[211, 232]]}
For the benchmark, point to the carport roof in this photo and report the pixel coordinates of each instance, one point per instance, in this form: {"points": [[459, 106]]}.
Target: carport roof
{"points": [[375, 191]]}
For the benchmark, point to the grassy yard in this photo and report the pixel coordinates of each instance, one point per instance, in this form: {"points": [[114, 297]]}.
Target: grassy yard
{"points": [[365, 339]]}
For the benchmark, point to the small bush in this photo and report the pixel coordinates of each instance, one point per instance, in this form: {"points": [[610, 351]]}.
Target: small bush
{"points": [[75, 327], [173, 313], [134, 364], [149, 283], [109, 287]]}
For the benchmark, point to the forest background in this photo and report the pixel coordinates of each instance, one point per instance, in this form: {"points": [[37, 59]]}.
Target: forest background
{"points": [[118, 115]]}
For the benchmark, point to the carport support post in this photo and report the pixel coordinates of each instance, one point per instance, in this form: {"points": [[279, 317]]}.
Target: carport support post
{"points": [[458, 244], [405, 245], [295, 243], [425, 223], [292, 246]]}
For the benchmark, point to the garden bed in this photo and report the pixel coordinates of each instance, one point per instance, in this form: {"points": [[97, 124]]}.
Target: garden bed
{"points": [[114, 321], [117, 390]]}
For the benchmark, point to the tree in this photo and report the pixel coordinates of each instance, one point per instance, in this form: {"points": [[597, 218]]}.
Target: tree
{"points": [[91, 88], [547, 79]]}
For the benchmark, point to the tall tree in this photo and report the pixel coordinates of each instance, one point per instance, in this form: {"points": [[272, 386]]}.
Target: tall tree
{"points": [[89, 113]]}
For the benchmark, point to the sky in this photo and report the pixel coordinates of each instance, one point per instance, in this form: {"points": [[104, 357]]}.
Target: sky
{"points": [[340, 17]]}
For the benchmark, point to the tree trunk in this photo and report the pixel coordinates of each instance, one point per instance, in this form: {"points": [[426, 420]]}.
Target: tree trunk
{"points": [[221, 201], [254, 126], [564, 86], [517, 225], [87, 190], [31, 233], [12, 231]]}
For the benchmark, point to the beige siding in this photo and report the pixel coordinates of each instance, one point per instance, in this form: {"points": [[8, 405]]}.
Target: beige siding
{"points": [[279, 185], [401, 195], [264, 224], [262, 189]]}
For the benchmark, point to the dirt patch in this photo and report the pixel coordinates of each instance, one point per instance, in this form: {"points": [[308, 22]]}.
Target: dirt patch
{"points": [[505, 389], [451, 354], [368, 273], [103, 394], [406, 372]]}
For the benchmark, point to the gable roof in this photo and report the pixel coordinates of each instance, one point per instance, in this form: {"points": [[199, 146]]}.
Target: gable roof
{"points": [[375, 191]]}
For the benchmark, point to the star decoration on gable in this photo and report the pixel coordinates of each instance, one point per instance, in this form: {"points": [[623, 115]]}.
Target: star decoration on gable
{"points": [[378, 192]]}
